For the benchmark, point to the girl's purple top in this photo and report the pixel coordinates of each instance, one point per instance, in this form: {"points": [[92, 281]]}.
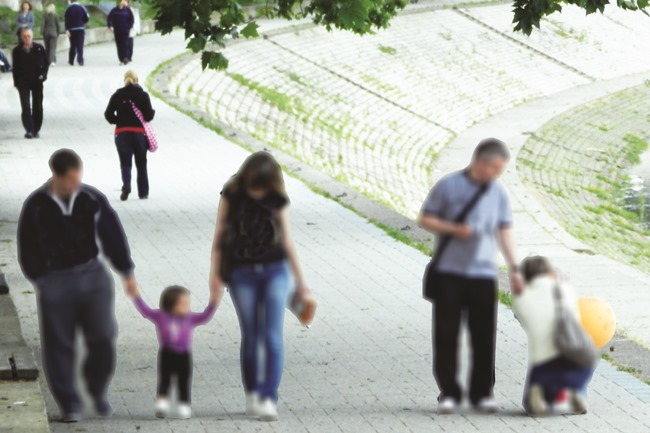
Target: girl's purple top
{"points": [[175, 332]]}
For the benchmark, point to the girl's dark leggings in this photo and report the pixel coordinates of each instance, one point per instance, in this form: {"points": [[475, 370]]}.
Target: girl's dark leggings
{"points": [[171, 363]]}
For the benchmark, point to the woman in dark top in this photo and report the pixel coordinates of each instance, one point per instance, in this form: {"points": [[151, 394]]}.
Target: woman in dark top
{"points": [[130, 139], [254, 254]]}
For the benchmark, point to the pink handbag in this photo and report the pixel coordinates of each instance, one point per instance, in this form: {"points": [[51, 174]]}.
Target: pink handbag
{"points": [[148, 130]]}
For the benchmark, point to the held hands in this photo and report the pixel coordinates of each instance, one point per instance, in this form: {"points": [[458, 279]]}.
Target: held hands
{"points": [[111, 29], [302, 289], [516, 282], [67, 32], [131, 287], [216, 289]]}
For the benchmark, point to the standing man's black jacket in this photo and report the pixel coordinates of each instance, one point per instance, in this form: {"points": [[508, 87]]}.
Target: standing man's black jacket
{"points": [[53, 235], [119, 111], [30, 65]]}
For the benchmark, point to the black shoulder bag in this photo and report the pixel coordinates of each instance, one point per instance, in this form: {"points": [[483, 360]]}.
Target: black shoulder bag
{"points": [[431, 279]]}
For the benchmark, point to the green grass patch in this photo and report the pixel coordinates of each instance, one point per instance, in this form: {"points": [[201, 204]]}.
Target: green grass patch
{"points": [[600, 193], [286, 103], [635, 147], [505, 298], [388, 50]]}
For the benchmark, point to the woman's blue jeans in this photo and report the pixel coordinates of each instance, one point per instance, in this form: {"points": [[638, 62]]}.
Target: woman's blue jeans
{"points": [[260, 293]]}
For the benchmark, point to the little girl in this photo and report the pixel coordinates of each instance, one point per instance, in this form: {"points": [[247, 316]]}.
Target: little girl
{"points": [[175, 323]]}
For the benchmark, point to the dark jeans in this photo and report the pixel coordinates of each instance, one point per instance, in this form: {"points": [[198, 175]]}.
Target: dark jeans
{"points": [[178, 365], [50, 47], [474, 300], [130, 145], [77, 46], [122, 44], [130, 48], [556, 375], [260, 294], [31, 104], [80, 297]]}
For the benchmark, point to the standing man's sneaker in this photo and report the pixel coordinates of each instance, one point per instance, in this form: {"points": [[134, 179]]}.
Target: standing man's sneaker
{"points": [[487, 405], [70, 417], [144, 197], [71, 63], [29, 135], [447, 406], [103, 408], [125, 195], [536, 401], [268, 410], [252, 404], [578, 403], [162, 408], [561, 404], [184, 411]]}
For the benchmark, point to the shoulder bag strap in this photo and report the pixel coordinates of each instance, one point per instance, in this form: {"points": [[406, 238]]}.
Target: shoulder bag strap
{"points": [[446, 239]]}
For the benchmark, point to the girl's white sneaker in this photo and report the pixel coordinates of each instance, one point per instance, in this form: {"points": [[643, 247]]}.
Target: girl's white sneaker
{"points": [[162, 407], [268, 410], [184, 411], [252, 404]]}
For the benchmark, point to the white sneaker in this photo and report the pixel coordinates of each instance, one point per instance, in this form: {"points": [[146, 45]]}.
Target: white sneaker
{"points": [[252, 404], [447, 406], [162, 407], [537, 405], [268, 410], [184, 411], [488, 405]]}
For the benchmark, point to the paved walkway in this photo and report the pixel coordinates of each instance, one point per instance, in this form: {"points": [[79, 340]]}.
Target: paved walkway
{"points": [[365, 364]]}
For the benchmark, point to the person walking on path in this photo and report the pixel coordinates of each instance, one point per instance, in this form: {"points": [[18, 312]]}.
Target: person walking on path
{"points": [[120, 21], [62, 226], [76, 16], [253, 253], [554, 384], [130, 138], [462, 279], [24, 19], [29, 73], [175, 323], [50, 32]]}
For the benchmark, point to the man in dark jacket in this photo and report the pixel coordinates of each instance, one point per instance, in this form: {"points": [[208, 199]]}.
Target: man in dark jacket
{"points": [[120, 21], [30, 72], [76, 17], [60, 227]]}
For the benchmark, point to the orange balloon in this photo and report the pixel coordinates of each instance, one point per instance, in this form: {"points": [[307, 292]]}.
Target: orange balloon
{"points": [[598, 319]]}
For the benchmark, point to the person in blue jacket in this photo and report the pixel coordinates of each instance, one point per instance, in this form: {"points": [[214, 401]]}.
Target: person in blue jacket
{"points": [[120, 21], [76, 17]]}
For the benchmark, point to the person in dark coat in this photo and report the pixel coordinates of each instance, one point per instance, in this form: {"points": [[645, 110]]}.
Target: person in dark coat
{"points": [[64, 230], [50, 32], [130, 139], [76, 17], [120, 21], [30, 72]]}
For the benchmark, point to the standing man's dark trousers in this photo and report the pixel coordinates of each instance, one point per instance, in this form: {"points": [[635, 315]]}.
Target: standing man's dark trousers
{"points": [[76, 46], [31, 105], [130, 146], [130, 48], [122, 43], [476, 300], [79, 297]]}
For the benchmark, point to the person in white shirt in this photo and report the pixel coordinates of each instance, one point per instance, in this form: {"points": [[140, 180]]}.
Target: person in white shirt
{"points": [[555, 385]]}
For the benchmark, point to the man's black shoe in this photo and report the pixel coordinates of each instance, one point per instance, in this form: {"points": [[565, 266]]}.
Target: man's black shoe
{"points": [[29, 135]]}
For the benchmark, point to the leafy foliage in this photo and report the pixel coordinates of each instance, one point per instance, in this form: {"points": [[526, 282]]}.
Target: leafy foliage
{"points": [[209, 23], [528, 13]]}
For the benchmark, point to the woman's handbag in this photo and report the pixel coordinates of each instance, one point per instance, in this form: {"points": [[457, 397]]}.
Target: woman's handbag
{"points": [[570, 338], [431, 279], [148, 130]]}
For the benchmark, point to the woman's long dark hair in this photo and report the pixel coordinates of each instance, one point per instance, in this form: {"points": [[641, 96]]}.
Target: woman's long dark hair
{"points": [[259, 171]]}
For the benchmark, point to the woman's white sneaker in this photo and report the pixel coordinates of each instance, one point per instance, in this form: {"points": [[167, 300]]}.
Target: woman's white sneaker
{"points": [[268, 410], [184, 411], [162, 408], [488, 405], [252, 404]]}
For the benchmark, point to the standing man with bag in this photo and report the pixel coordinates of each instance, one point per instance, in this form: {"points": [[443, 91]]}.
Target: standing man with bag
{"points": [[76, 16], [129, 109], [470, 213]]}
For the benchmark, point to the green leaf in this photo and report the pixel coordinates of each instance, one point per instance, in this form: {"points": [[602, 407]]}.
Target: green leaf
{"points": [[197, 43], [214, 60], [250, 31]]}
